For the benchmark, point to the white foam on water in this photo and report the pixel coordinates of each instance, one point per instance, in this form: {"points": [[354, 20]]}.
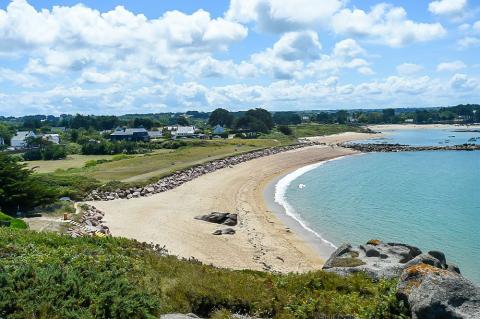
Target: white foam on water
{"points": [[281, 190]]}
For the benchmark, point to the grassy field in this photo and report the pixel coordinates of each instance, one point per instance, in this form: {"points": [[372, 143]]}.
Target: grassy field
{"points": [[72, 161], [45, 275], [307, 130], [143, 168]]}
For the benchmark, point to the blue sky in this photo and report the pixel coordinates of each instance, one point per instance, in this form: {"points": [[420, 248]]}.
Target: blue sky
{"points": [[117, 57]]}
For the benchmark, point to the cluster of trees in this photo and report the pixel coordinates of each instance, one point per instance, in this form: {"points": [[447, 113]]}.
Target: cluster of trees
{"points": [[256, 120], [44, 150], [19, 189]]}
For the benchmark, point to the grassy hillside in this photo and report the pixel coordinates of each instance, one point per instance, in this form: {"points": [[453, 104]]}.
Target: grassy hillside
{"points": [[311, 129], [14, 223], [44, 275]]}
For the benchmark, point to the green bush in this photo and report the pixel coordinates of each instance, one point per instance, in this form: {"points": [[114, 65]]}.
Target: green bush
{"points": [[68, 185], [285, 129], [73, 148], [44, 275], [14, 222]]}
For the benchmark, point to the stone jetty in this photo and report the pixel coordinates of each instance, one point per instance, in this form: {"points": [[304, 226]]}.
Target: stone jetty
{"points": [[186, 175], [375, 147]]}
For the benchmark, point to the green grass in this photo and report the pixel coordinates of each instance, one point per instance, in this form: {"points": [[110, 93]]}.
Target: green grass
{"points": [[14, 222], [311, 129], [44, 275]]}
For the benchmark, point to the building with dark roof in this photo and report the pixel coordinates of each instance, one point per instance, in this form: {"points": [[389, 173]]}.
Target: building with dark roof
{"points": [[130, 134]]}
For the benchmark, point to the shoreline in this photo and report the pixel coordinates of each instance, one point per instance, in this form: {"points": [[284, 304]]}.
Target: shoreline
{"points": [[262, 241], [394, 127]]}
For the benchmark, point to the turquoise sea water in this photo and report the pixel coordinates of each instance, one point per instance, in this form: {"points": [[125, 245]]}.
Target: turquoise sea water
{"points": [[427, 137], [427, 199]]}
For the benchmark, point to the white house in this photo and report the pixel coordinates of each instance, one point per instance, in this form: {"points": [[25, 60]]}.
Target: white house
{"points": [[54, 138], [20, 139], [155, 134], [183, 131]]}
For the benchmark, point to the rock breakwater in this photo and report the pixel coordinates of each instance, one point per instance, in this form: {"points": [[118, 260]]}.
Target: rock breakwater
{"points": [[186, 175], [90, 223], [375, 147]]}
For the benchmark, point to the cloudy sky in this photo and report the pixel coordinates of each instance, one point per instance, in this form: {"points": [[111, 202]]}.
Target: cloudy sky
{"points": [[117, 57]]}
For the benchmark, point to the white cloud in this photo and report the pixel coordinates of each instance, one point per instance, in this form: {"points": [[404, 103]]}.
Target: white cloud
{"points": [[385, 24], [468, 42], [298, 46], [451, 66], [476, 26], [406, 69], [447, 7], [462, 82], [283, 15], [73, 38]]}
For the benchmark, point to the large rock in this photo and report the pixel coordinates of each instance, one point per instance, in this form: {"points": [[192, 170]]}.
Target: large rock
{"points": [[219, 218], [376, 259], [432, 292]]}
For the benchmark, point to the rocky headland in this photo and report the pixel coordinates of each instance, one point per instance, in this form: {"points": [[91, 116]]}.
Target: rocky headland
{"points": [[428, 285]]}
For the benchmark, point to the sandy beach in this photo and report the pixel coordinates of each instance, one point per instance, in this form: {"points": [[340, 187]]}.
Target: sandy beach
{"points": [[262, 240]]}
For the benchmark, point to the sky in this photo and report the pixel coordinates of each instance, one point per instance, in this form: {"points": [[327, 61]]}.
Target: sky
{"points": [[153, 56]]}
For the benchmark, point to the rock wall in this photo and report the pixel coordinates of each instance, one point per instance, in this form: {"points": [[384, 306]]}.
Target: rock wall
{"points": [[366, 148], [183, 176]]}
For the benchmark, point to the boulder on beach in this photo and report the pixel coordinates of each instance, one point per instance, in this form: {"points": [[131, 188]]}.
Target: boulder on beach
{"points": [[226, 231], [220, 218]]}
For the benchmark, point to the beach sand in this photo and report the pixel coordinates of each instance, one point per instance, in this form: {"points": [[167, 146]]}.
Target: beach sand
{"points": [[262, 240]]}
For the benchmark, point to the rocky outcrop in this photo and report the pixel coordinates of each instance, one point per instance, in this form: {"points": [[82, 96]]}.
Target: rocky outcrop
{"points": [[377, 259], [220, 218], [366, 148], [186, 175], [432, 292], [429, 286], [89, 224]]}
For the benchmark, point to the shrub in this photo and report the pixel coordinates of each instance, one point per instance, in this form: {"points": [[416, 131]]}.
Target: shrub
{"points": [[33, 155], [285, 129], [14, 222], [73, 148], [44, 275]]}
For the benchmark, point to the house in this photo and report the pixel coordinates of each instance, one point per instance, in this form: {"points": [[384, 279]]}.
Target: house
{"points": [[19, 141], [184, 131], [155, 134], [218, 130], [54, 138], [130, 134]]}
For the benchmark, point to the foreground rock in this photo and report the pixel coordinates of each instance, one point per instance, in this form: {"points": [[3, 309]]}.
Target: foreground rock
{"points": [[220, 218], [183, 176], [428, 285], [377, 259], [431, 292]]}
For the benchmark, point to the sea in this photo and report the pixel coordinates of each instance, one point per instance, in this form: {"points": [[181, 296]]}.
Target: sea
{"points": [[427, 199]]}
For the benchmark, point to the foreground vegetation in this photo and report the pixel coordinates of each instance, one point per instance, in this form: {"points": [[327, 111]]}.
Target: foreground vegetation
{"points": [[14, 222], [44, 275]]}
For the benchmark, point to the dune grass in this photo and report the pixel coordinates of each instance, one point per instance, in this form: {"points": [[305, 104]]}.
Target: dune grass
{"points": [[45, 275]]}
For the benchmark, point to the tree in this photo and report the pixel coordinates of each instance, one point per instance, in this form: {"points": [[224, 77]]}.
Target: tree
{"points": [[144, 122], [18, 189], [220, 117], [285, 129], [182, 121], [262, 115], [341, 116], [388, 115], [286, 118], [324, 117]]}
